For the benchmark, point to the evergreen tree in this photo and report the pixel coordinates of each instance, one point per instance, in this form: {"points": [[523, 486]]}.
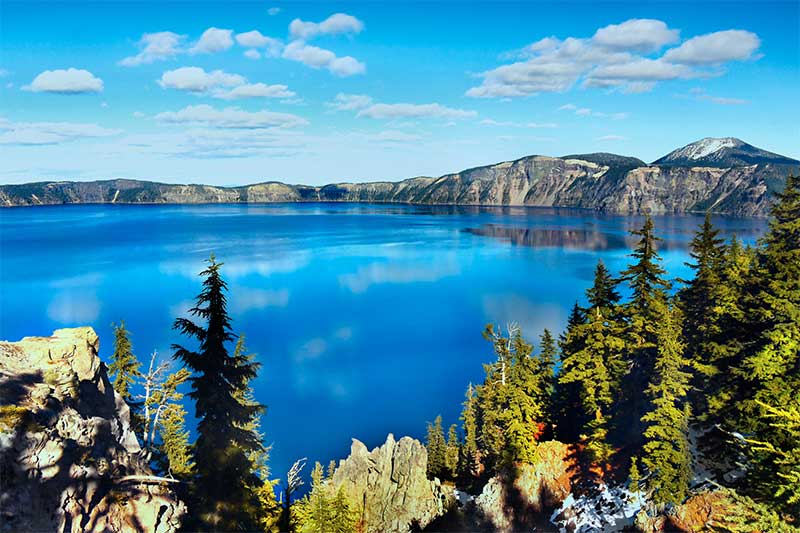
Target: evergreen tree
{"points": [[510, 413], [343, 517], [452, 450], [587, 368], [569, 414], [548, 355], [770, 369], [265, 506], [603, 293], [782, 456], [700, 302], [323, 510], [175, 449], [666, 451], [124, 365], [525, 411], [597, 366], [222, 492], [643, 314], [634, 476], [468, 457], [437, 449], [723, 386], [315, 512]]}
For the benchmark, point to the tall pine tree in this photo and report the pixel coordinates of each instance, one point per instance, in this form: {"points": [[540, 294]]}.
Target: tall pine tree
{"points": [[468, 459], [700, 301], [645, 277], [569, 414], [437, 449], [771, 365], [222, 495], [666, 453], [548, 355]]}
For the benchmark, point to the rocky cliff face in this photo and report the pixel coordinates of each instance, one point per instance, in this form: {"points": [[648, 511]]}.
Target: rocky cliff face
{"points": [[605, 182], [68, 457], [389, 486], [524, 503]]}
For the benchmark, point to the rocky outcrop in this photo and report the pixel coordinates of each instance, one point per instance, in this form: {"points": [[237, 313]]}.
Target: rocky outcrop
{"points": [[535, 490], [389, 487], [604, 182], [68, 457]]}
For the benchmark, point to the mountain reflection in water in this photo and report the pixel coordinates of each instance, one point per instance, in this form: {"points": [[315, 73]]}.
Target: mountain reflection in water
{"points": [[583, 239]]}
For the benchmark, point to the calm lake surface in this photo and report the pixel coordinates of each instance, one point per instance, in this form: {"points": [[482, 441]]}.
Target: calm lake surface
{"points": [[367, 318]]}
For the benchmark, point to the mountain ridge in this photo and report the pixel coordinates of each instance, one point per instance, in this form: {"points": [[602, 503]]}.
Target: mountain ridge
{"points": [[686, 181], [722, 152]]}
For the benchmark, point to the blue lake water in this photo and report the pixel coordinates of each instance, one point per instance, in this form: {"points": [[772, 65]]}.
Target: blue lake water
{"points": [[367, 318]]}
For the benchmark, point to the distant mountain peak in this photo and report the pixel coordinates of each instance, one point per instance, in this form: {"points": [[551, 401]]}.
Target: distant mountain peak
{"points": [[721, 152]]}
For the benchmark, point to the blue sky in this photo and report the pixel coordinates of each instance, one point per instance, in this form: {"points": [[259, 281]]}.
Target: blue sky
{"points": [[232, 93]]}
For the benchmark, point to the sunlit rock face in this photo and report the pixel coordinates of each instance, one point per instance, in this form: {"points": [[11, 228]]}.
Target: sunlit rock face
{"points": [[525, 502], [67, 451], [389, 485], [722, 180]]}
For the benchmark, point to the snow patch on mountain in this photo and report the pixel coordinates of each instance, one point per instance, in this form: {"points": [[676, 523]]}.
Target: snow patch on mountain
{"points": [[706, 147]]}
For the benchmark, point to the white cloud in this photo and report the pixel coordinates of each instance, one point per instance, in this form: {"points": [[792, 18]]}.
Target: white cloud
{"points": [[612, 59], [395, 136], [393, 111], [722, 100], [700, 94], [230, 117], [511, 123], [252, 54], [588, 112], [254, 39], [41, 133], [316, 57], [156, 47], [335, 24], [195, 79], [612, 138], [349, 102], [640, 35], [210, 143], [643, 70], [215, 83], [213, 40], [346, 66], [273, 11], [637, 87], [69, 81], [715, 48], [256, 90]]}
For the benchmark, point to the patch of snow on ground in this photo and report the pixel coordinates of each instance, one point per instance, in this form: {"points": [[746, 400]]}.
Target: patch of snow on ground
{"points": [[462, 497], [610, 509]]}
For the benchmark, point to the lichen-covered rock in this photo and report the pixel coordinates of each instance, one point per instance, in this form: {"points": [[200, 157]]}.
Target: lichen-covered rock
{"points": [[389, 486], [69, 460]]}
